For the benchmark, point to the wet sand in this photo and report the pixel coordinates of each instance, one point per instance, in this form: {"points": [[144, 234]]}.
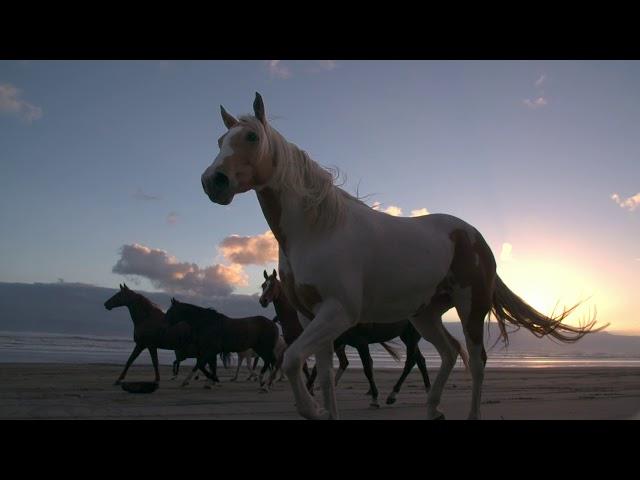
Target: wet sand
{"points": [[57, 391]]}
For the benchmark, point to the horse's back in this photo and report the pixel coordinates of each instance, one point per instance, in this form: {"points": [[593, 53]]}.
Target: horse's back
{"points": [[249, 333], [373, 332]]}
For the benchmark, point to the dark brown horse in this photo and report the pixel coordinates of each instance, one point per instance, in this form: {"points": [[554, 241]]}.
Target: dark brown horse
{"points": [[150, 328], [216, 333]]}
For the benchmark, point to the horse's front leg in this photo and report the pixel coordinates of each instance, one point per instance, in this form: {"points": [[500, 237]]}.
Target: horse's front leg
{"points": [[343, 362], [329, 322], [176, 369], [154, 359], [134, 354], [213, 365], [235, 377]]}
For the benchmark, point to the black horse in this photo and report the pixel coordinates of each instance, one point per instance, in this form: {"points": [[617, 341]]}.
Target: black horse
{"points": [[364, 334], [215, 333]]}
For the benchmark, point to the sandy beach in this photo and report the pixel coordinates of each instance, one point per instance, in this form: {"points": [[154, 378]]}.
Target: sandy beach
{"points": [[62, 391]]}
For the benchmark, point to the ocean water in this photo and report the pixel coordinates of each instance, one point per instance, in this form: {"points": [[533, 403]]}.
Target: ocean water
{"points": [[59, 348]]}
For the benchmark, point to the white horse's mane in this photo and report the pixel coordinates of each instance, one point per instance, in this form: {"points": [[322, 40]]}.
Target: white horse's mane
{"points": [[323, 201]]}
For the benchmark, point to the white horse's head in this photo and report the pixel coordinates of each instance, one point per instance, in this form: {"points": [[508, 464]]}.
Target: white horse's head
{"points": [[244, 162]]}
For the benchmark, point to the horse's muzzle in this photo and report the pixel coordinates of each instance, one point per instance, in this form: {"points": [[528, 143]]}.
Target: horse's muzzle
{"points": [[218, 188]]}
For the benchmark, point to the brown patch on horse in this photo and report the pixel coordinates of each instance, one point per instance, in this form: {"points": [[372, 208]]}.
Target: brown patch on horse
{"points": [[473, 266], [272, 209], [308, 296]]}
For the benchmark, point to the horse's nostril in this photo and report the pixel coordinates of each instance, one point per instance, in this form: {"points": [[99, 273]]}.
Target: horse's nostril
{"points": [[220, 180]]}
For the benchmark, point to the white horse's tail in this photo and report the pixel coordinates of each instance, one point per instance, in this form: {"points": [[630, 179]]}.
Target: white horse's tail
{"points": [[395, 354], [508, 307]]}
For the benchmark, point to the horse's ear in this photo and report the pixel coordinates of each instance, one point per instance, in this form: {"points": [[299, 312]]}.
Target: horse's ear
{"points": [[228, 119], [173, 301], [258, 109], [125, 286], [266, 277], [274, 274], [121, 287]]}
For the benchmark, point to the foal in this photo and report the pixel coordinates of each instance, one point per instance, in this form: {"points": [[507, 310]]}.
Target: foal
{"points": [[286, 315]]}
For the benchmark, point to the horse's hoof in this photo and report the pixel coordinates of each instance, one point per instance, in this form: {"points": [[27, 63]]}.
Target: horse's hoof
{"points": [[117, 382], [374, 405], [439, 416], [207, 386], [391, 400], [184, 384], [319, 414]]}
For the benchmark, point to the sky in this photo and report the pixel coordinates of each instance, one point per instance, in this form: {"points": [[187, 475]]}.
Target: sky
{"points": [[100, 165]]}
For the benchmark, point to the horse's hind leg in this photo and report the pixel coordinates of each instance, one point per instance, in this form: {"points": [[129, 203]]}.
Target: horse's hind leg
{"points": [[409, 363], [252, 369], [235, 377], [367, 363], [176, 369], [154, 359], [428, 322], [472, 326]]}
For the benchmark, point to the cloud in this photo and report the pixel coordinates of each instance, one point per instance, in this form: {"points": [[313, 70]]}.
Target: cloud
{"points": [[172, 218], [505, 253], [391, 209], [140, 195], [537, 103], [255, 250], [540, 80], [630, 203], [278, 69], [12, 103], [397, 211], [167, 273], [419, 212]]}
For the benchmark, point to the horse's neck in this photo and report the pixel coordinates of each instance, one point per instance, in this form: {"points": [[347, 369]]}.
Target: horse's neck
{"points": [[140, 313], [272, 202], [287, 315]]}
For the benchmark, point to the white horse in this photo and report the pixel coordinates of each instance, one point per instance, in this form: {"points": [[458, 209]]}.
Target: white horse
{"points": [[251, 357], [336, 255]]}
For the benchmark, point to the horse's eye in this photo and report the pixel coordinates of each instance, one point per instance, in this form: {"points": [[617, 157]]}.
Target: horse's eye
{"points": [[252, 137]]}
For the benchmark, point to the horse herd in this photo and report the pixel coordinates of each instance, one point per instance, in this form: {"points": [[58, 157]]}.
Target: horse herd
{"points": [[205, 334], [351, 274]]}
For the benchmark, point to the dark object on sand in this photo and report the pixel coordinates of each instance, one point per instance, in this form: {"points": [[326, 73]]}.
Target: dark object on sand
{"points": [[139, 387]]}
